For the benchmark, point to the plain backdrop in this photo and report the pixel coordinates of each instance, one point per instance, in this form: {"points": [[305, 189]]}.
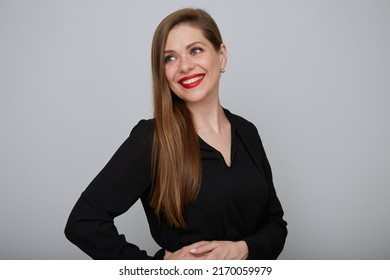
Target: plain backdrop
{"points": [[313, 76]]}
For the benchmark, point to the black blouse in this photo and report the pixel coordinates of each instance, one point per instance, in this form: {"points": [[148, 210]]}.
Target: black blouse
{"points": [[236, 202]]}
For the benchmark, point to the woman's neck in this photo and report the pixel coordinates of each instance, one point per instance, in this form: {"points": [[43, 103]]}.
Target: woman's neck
{"points": [[210, 117]]}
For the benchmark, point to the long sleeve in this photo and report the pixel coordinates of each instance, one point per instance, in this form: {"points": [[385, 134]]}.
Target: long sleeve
{"points": [[268, 242], [124, 179]]}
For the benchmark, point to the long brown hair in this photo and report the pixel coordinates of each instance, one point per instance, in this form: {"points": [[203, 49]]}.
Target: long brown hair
{"points": [[176, 163]]}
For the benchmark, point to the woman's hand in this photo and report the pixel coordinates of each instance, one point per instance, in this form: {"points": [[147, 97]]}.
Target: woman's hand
{"points": [[222, 250], [210, 250], [185, 252]]}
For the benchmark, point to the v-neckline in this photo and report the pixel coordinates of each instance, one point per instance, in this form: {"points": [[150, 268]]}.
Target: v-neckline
{"points": [[232, 145]]}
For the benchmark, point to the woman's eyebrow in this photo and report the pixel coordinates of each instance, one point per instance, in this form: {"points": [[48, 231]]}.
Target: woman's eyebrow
{"points": [[187, 47]]}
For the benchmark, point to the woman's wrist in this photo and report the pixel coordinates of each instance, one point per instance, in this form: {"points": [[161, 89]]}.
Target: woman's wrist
{"points": [[243, 249]]}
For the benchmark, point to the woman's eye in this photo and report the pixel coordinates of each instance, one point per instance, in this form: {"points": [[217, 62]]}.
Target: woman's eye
{"points": [[169, 58], [196, 50]]}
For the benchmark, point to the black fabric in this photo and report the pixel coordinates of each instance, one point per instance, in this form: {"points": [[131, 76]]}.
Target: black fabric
{"points": [[236, 202]]}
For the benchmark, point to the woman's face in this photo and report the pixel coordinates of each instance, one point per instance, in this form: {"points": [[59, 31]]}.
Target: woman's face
{"points": [[192, 66]]}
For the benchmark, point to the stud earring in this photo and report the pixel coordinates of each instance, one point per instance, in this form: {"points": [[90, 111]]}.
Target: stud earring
{"points": [[222, 70]]}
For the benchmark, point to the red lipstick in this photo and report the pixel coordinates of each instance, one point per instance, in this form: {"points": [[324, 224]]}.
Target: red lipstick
{"points": [[191, 81]]}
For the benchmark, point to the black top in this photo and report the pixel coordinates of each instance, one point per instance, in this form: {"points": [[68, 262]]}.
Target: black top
{"points": [[234, 203]]}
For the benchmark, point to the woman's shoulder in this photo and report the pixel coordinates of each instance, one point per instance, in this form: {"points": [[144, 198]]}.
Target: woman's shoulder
{"points": [[142, 132], [143, 126], [239, 122]]}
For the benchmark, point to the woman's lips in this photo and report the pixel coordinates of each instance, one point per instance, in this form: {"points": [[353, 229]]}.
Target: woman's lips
{"points": [[191, 81]]}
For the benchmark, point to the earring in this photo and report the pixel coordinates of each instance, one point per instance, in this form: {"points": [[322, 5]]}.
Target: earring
{"points": [[222, 70]]}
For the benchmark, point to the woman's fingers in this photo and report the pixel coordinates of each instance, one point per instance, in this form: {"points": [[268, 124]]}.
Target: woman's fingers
{"points": [[204, 248], [185, 252], [222, 250], [214, 250]]}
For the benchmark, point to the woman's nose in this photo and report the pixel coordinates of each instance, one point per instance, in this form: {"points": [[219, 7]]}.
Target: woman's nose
{"points": [[186, 64]]}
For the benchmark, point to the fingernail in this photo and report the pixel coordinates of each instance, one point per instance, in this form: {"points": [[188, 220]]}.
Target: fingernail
{"points": [[193, 250]]}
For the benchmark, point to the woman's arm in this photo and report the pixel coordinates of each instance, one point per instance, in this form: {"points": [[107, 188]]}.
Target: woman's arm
{"points": [[268, 241], [113, 191]]}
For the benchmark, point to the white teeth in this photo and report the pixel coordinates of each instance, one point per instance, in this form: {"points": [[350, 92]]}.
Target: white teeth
{"points": [[191, 81]]}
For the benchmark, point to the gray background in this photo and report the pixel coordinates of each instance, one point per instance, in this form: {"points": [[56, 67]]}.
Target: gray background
{"points": [[314, 76]]}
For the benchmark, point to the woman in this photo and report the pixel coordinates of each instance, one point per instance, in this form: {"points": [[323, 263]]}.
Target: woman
{"points": [[200, 171]]}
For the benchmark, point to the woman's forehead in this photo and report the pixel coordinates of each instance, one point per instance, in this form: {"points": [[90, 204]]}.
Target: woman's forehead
{"points": [[183, 35]]}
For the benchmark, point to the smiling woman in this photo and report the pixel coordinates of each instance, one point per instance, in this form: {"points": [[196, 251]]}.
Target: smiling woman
{"points": [[200, 171], [193, 62]]}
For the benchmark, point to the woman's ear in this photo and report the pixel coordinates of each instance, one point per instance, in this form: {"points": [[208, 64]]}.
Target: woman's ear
{"points": [[223, 56]]}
